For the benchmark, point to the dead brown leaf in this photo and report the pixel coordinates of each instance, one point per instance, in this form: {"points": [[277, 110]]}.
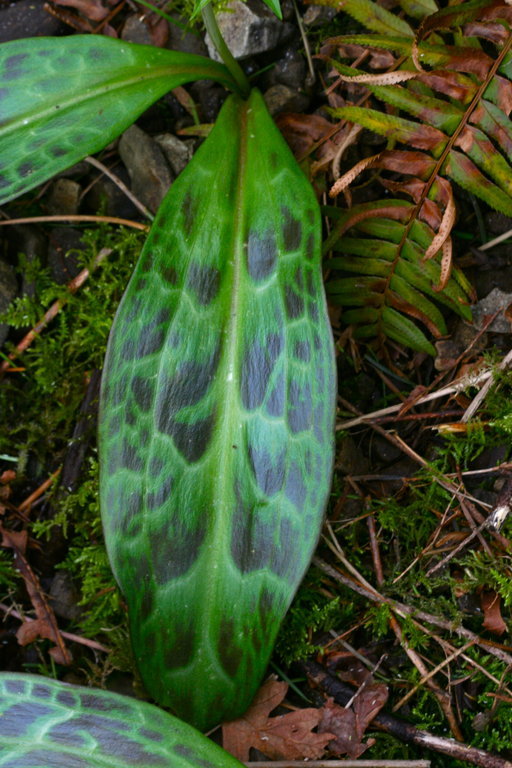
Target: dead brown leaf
{"points": [[350, 724], [284, 737], [46, 623], [491, 606], [91, 9]]}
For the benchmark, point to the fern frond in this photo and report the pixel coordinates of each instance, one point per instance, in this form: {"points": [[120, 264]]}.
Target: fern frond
{"points": [[448, 101], [384, 274]]}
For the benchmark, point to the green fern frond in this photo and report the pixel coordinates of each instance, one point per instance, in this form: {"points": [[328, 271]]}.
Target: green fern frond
{"points": [[448, 103]]}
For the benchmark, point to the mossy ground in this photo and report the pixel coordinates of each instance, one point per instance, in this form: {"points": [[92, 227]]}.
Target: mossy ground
{"points": [[42, 402]]}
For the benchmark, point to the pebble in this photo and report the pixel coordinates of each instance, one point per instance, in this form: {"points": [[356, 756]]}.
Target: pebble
{"points": [[281, 98], [149, 173], [248, 29], [178, 152], [64, 197]]}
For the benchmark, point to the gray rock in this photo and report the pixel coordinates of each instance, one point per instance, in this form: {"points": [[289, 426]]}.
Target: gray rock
{"points": [[290, 70], [29, 241], [64, 251], [248, 28], [64, 597], [135, 30], [8, 291], [185, 41], [280, 98], [495, 301], [64, 197], [105, 196], [316, 15], [149, 173], [27, 18], [177, 152]]}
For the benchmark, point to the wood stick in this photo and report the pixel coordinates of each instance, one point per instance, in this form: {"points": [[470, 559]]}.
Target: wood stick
{"points": [[400, 730], [339, 764]]}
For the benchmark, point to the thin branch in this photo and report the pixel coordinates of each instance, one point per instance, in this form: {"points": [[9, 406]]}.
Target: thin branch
{"points": [[68, 635], [400, 730], [52, 312], [480, 397], [459, 386], [77, 217], [339, 764], [122, 186], [405, 610]]}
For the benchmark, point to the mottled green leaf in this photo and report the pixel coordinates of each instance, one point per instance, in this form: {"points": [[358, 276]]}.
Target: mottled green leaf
{"points": [[64, 98], [216, 423], [48, 724]]}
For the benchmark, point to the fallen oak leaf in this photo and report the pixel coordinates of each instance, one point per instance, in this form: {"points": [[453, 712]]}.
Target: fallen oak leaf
{"points": [[350, 724], [285, 737]]}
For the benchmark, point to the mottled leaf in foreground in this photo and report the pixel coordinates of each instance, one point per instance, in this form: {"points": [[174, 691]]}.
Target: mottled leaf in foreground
{"points": [[64, 98], [216, 424], [48, 724]]}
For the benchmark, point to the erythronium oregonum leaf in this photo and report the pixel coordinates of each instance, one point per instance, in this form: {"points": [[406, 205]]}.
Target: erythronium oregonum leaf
{"points": [[216, 421], [48, 724], [64, 98]]}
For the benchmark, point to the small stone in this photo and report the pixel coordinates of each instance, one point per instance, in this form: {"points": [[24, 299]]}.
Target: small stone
{"points": [[316, 15], [106, 196], [64, 197], [8, 291], [146, 164], [28, 241], [349, 458], [497, 223], [177, 152], [64, 251], [290, 70], [280, 98], [184, 40], [248, 28], [26, 18], [135, 30], [495, 301], [64, 597]]}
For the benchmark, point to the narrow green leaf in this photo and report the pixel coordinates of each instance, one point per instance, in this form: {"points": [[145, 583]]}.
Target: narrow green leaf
{"points": [[430, 110], [496, 125], [399, 45], [418, 9], [361, 316], [275, 7], [375, 17], [405, 131], [484, 154], [358, 291], [404, 331], [462, 170], [46, 723], [64, 98], [216, 419], [418, 305]]}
